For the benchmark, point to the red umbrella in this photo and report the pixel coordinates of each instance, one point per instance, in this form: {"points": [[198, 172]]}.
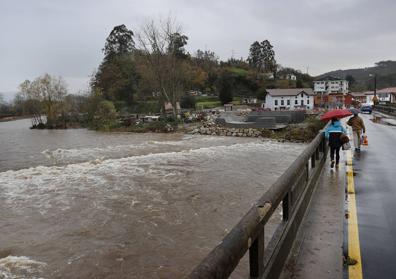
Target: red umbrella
{"points": [[336, 113]]}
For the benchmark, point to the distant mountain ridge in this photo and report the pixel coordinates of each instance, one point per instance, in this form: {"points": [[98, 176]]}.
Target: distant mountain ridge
{"points": [[360, 78]]}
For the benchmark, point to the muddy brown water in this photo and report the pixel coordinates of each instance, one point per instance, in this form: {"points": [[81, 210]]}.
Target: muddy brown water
{"points": [[84, 204]]}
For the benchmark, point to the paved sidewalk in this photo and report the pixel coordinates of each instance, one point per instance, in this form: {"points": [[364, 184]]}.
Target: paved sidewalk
{"points": [[385, 118], [318, 251]]}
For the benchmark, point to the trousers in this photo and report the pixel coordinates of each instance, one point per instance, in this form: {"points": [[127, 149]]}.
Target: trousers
{"points": [[357, 138], [335, 151]]}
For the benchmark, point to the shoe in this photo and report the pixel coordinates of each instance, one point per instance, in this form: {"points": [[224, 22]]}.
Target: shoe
{"points": [[332, 164], [358, 149]]}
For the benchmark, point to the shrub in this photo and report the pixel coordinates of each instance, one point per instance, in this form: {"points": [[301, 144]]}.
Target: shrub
{"points": [[105, 117], [188, 102]]}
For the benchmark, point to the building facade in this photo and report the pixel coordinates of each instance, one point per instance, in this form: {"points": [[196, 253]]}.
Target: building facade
{"points": [[329, 84], [387, 95], [354, 99], [289, 99], [330, 91]]}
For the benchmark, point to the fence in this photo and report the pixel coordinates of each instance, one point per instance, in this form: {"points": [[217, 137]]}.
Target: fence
{"points": [[292, 191], [389, 109]]}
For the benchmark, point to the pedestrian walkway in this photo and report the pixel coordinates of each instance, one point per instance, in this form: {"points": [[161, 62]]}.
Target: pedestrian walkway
{"points": [[375, 194], [369, 231], [318, 251]]}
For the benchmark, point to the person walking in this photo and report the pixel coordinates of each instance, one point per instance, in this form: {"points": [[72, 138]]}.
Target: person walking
{"points": [[357, 124], [333, 133]]}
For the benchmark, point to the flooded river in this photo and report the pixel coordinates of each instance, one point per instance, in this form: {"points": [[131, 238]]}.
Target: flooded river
{"points": [[84, 204]]}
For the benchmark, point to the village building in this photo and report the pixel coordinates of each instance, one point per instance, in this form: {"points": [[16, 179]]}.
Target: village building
{"points": [[387, 95], [354, 99], [330, 91], [249, 100], [289, 99]]}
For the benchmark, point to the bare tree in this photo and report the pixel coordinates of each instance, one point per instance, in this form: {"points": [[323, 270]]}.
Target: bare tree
{"points": [[164, 65]]}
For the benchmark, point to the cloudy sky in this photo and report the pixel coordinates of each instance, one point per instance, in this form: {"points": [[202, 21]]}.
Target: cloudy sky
{"points": [[65, 37]]}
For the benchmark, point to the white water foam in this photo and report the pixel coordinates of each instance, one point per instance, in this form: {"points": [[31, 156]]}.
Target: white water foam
{"points": [[45, 187], [20, 267], [116, 151]]}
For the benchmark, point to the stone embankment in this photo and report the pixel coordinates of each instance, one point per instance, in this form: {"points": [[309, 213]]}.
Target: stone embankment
{"points": [[216, 130]]}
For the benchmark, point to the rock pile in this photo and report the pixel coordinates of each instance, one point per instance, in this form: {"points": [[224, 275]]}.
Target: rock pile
{"points": [[210, 128]]}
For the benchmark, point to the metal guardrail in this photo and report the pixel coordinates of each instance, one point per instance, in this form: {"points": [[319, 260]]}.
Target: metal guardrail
{"points": [[293, 190], [389, 109]]}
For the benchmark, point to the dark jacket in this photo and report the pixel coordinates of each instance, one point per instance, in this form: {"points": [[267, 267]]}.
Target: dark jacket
{"points": [[333, 133]]}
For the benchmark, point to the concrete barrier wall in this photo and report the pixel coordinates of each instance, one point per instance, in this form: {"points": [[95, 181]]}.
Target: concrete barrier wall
{"points": [[260, 123], [283, 117]]}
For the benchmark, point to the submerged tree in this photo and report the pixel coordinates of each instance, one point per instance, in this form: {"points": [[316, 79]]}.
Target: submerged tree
{"points": [[49, 91]]}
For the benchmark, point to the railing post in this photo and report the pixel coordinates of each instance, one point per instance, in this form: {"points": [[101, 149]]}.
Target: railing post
{"points": [[256, 255], [286, 207], [307, 169], [317, 153], [313, 160]]}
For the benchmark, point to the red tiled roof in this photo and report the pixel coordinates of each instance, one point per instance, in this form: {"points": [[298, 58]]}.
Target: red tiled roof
{"points": [[387, 90]]}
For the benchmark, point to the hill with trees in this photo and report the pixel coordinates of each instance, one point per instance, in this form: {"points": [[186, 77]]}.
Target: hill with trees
{"points": [[362, 79], [149, 71]]}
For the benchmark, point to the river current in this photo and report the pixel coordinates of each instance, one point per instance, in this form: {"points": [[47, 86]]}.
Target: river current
{"points": [[84, 204]]}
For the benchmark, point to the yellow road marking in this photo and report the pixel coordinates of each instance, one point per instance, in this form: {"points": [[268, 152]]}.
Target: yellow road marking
{"points": [[354, 271]]}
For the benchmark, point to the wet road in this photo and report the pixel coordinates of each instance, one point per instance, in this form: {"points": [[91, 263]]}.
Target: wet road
{"points": [[375, 188]]}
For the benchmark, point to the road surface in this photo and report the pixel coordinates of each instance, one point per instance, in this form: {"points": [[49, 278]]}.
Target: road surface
{"points": [[375, 189]]}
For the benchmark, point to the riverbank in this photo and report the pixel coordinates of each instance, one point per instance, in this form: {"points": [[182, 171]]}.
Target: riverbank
{"points": [[12, 118], [303, 132]]}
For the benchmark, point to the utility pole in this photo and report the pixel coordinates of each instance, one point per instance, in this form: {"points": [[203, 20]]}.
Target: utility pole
{"points": [[375, 99], [375, 85]]}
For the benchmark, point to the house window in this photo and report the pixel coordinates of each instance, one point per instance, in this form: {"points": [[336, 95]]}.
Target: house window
{"points": [[296, 102], [276, 102], [288, 102], [302, 102], [302, 95], [282, 102], [308, 102]]}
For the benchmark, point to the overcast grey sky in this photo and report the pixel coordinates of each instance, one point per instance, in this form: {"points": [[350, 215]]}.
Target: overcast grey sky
{"points": [[65, 37]]}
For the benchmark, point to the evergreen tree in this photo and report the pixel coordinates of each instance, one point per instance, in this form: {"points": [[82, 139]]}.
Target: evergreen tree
{"points": [[119, 42], [225, 85], [117, 76], [262, 57], [176, 45]]}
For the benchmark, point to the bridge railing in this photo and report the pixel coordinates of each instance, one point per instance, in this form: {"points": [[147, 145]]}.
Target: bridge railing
{"points": [[292, 191], [389, 109]]}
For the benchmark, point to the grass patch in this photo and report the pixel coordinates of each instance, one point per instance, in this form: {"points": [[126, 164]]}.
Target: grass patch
{"points": [[206, 98], [208, 104]]}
